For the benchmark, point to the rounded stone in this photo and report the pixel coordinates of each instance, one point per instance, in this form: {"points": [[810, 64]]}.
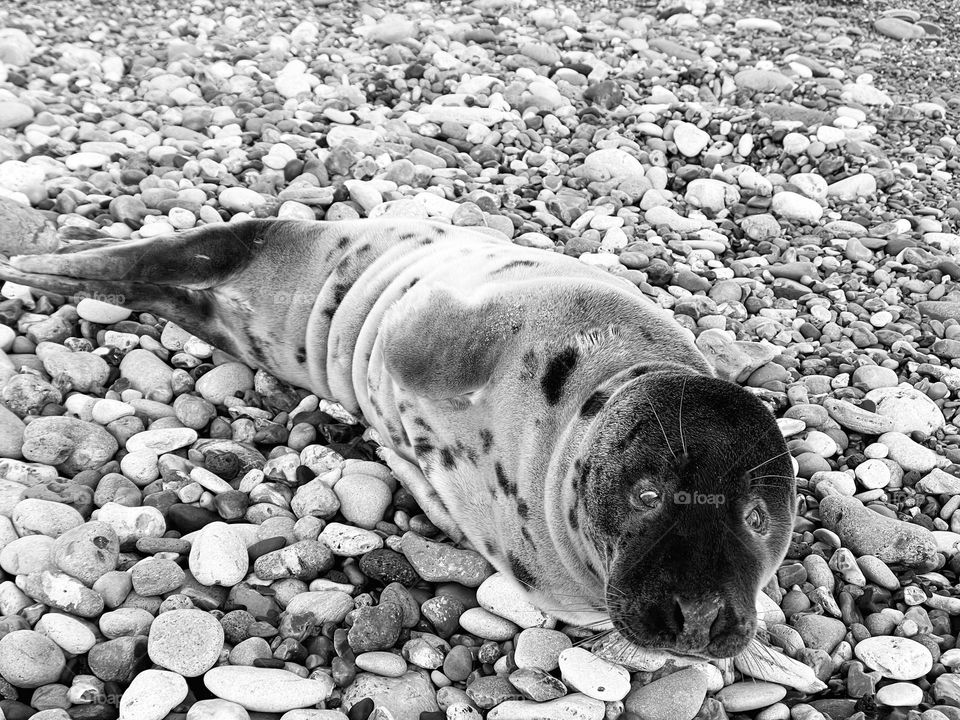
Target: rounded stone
{"points": [[87, 552], [218, 556], [187, 642], [29, 659]]}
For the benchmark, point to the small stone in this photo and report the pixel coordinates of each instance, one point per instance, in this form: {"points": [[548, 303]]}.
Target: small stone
{"points": [[486, 625], [69, 444], [225, 381], [690, 139], [348, 541], [677, 696], [503, 596], [437, 562], [535, 684], [304, 560], [404, 697], [868, 533], [218, 556], [156, 576], [593, 676], [97, 311], [747, 696], [797, 208], [540, 648], [572, 707], [375, 628], [363, 499], [900, 694], [381, 663], [897, 658], [910, 409], [267, 690], [241, 199], [217, 709], [44, 517], [152, 694], [29, 659], [185, 641]]}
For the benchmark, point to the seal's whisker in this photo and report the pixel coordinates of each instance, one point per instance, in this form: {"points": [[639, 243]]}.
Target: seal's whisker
{"points": [[594, 638], [766, 477], [662, 430], [683, 442], [768, 460]]}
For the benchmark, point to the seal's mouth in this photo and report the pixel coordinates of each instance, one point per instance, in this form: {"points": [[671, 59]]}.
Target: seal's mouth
{"points": [[706, 627]]}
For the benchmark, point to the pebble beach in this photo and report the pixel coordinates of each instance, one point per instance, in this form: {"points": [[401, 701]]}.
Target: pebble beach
{"points": [[186, 537]]}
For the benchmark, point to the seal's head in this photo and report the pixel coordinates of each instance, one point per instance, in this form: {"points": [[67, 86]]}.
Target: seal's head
{"points": [[691, 494]]}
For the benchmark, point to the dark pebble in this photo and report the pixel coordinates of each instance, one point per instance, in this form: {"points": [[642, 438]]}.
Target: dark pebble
{"points": [[388, 566], [375, 628], [361, 710], [266, 546], [188, 518]]}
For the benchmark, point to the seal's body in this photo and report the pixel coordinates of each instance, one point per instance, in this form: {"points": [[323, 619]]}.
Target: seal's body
{"points": [[543, 410]]}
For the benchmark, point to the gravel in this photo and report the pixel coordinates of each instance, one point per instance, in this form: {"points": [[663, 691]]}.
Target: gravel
{"points": [[183, 536]]}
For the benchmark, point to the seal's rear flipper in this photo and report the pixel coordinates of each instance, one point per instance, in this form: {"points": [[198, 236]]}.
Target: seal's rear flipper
{"points": [[174, 276]]}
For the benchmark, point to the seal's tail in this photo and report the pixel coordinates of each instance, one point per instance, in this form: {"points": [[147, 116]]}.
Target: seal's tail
{"points": [[174, 276]]}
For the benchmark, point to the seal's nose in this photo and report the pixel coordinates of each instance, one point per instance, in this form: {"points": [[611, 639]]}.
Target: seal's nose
{"points": [[695, 620]]}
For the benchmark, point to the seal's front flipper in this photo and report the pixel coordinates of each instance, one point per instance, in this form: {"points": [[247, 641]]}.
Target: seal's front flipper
{"points": [[416, 483], [175, 276], [440, 345]]}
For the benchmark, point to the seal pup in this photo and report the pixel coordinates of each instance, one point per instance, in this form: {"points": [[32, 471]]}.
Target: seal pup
{"points": [[542, 410]]}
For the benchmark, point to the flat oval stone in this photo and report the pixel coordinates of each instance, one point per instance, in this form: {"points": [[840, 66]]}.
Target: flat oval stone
{"points": [[746, 696], [267, 690], [486, 625], [897, 658], [593, 676]]}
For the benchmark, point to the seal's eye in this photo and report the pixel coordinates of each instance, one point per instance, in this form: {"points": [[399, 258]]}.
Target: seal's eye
{"points": [[757, 520], [642, 499]]}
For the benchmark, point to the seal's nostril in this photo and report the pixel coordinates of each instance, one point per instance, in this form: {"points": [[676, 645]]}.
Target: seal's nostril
{"points": [[678, 616]]}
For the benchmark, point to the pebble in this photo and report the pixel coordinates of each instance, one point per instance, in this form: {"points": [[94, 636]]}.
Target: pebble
{"points": [[404, 697], [363, 499], [572, 707], [436, 562], [44, 517], [218, 556], [868, 533], [153, 694], [187, 642], [594, 677], [267, 689], [486, 625], [747, 696], [225, 381], [69, 444], [896, 658], [502, 596], [30, 659], [900, 694]]}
